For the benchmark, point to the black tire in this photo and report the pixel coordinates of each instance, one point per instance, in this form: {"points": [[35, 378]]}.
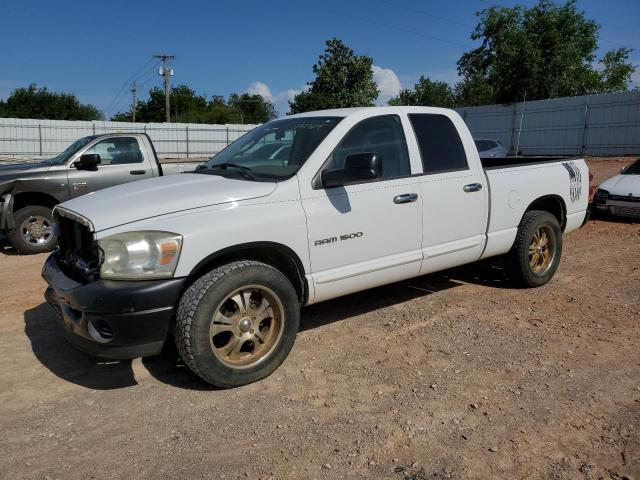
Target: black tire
{"points": [[519, 267], [204, 299], [18, 237]]}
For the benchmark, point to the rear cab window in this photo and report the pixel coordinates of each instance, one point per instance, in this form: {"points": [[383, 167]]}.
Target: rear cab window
{"points": [[441, 149]]}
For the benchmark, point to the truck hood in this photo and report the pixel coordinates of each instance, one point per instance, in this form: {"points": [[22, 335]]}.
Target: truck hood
{"points": [[15, 171], [154, 197], [622, 185], [15, 168]]}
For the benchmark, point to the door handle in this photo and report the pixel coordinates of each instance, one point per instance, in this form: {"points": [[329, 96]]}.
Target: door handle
{"points": [[472, 187], [138, 172], [405, 198]]}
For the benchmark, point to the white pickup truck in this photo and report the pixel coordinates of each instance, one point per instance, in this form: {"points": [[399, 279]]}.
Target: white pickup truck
{"points": [[226, 257]]}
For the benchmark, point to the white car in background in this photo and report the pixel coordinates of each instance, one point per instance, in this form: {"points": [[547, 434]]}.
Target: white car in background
{"points": [[488, 148], [620, 195]]}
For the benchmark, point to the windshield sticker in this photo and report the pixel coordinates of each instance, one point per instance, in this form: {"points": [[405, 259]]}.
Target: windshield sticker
{"points": [[575, 181]]}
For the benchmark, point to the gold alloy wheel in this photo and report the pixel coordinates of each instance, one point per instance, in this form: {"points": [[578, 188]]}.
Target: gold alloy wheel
{"points": [[246, 326], [542, 249]]}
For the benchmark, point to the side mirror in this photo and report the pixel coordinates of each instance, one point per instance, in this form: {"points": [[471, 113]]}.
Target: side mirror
{"points": [[89, 161], [358, 168]]}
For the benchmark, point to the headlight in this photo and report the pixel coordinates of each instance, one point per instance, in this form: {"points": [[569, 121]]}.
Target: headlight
{"points": [[140, 255]]}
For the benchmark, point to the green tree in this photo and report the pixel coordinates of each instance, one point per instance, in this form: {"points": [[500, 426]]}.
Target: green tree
{"points": [[343, 79], [547, 51], [252, 108], [426, 92], [40, 103], [189, 107]]}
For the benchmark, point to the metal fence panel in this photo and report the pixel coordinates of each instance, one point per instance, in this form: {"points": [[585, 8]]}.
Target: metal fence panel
{"points": [[605, 124], [25, 138]]}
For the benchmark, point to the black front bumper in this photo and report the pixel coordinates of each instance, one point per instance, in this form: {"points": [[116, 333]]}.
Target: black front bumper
{"points": [[109, 318]]}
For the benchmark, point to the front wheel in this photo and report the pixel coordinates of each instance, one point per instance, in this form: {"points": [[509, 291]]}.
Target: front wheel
{"points": [[33, 231], [236, 324], [536, 252]]}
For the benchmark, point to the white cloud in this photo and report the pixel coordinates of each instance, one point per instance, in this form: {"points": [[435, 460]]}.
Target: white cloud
{"points": [[388, 83], [280, 100], [259, 88]]}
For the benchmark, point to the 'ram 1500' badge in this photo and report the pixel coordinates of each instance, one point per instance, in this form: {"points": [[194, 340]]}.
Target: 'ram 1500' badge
{"points": [[348, 236]]}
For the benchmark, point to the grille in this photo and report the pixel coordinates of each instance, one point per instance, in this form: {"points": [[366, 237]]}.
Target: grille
{"points": [[625, 198], [626, 211], [77, 248]]}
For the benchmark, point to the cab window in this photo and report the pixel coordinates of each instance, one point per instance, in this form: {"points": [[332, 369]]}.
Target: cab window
{"points": [[117, 151], [381, 135], [440, 146]]}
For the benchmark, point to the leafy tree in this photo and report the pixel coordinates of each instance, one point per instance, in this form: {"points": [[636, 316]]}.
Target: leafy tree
{"points": [[426, 92], [189, 107], [252, 108], [343, 79], [547, 51], [40, 103], [616, 71]]}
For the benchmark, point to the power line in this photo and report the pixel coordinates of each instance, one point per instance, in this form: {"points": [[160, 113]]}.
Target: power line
{"points": [[428, 14], [388, 25], [123, 88]]}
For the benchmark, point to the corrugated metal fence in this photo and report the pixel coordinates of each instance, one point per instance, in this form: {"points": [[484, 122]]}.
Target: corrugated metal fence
{"points": [[23, 138], [605, 124]]}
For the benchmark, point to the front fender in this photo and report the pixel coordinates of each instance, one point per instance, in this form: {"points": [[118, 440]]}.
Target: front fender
{"points": [[6, 212]]}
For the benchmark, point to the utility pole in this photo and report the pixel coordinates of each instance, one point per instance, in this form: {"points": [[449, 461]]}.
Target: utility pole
{"points": [[166, 72], [133, 100]]}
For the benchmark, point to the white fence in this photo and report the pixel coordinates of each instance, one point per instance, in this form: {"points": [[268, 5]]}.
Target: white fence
{"points": [[605, 124], [24, 138]]}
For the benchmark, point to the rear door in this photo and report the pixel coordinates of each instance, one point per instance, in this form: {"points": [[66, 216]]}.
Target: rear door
{"points": [[366, 234], [454, 192], [121, 161]]}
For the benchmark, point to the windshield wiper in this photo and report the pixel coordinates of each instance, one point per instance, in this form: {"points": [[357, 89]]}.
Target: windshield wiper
{"points": [[243, 171]]}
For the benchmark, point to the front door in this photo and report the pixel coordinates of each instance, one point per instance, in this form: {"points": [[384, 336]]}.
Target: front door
{"points": [[121, 161], [366, 234]]}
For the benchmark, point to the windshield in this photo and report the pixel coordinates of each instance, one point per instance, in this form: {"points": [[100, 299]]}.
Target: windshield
{"points": [[71, 150], [633, 169], [273, 151]]}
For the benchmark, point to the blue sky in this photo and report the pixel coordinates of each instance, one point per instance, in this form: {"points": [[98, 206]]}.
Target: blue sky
{"points": [[267, 47]]}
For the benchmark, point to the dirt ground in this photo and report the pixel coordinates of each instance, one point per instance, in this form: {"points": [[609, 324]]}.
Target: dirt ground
{"points": [[452, 375]]}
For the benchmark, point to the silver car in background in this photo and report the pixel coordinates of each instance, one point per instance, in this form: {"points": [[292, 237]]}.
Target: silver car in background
{"points": [[488, 148], [620, 195]]}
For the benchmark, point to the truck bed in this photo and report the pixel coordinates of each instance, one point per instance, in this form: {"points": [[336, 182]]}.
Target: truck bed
{"points": [[506, 162]]}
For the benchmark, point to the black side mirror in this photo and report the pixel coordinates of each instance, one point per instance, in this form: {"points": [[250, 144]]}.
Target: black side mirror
{"points": [[89, 161], [358, 168]]}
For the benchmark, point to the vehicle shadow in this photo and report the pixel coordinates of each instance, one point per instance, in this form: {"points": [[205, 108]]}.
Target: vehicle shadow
{"points": [[62, 359], [5, 248], [65, 361], [608, 218]]}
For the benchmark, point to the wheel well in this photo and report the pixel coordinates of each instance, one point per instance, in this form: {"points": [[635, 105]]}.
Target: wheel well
{"points": [[25, 199], [277, 255], [554, 205]]}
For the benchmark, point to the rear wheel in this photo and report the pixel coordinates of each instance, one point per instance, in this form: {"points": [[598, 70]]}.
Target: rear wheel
{"points": [[536, 252], [237, 324], [33, 231]]}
